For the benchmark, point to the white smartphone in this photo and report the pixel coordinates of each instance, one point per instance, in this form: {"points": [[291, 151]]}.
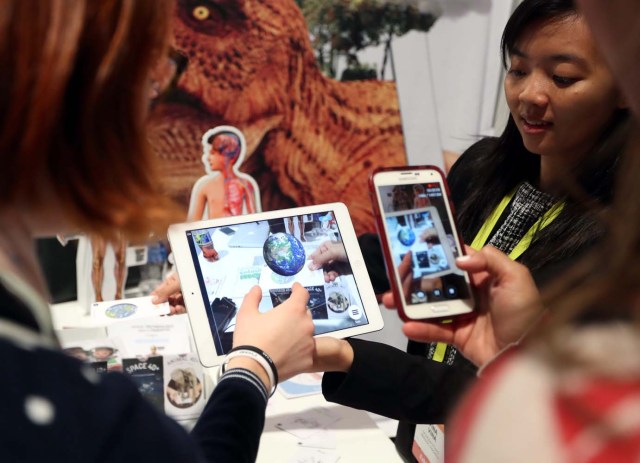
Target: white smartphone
{"points": [[414, 216]]}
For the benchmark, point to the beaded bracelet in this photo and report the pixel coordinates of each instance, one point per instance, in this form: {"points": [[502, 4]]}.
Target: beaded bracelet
{"points": [[259, 356]]}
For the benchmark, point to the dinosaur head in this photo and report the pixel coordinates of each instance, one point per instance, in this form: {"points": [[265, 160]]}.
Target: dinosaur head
{"points": [[239, 58], [239, 55]]}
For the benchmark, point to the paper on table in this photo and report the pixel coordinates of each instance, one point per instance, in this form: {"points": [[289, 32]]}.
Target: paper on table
{"points": [[304, 425], [308, 455], [108, 312], [153, 335]]}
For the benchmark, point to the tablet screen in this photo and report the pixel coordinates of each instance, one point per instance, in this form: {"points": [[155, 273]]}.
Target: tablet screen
{"points": [[231, 259]]}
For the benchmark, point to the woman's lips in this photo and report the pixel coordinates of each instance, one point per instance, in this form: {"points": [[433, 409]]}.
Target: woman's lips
{"points": [[535, 127]]}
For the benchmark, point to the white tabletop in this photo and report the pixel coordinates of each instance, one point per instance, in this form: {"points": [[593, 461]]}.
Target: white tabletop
{"points": [[352, 435], [348, 434]]}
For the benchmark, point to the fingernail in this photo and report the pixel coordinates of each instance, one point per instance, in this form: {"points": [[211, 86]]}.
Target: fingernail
{"points": [[463, 259]]}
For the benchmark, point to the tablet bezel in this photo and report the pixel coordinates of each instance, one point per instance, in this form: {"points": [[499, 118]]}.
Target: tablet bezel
{"points": [[185, 266]]}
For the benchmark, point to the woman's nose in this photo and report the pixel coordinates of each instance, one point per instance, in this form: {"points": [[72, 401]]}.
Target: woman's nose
{"points": [[534, 91]]}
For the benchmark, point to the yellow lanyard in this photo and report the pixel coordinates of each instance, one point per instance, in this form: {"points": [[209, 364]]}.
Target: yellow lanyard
{"points": [[487, 227], [483, 235]]}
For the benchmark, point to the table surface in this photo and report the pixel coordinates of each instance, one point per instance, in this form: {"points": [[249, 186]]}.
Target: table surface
{"points": [[351, 435]]}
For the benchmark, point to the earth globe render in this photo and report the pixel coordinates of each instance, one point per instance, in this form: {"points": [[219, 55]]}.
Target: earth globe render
{"points": [[407, 236], [284, 254]]}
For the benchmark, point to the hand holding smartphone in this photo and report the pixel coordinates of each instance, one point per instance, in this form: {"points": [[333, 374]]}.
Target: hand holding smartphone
{"points": [[420, 242]]}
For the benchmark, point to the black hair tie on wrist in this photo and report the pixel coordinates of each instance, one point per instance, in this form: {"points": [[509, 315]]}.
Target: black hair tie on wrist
{"points": [[264, 355]]}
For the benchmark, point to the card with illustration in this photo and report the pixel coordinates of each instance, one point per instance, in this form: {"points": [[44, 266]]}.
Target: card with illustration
{"points": [[147, 373], [317, 303], [99, 352], [108, 312], [183, 386]]}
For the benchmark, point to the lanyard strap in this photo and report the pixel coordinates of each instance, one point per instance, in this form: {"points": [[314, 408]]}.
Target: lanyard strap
{"points": [[487, 227]]}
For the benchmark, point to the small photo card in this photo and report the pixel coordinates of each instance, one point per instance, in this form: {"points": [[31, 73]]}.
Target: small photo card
{"points": [[183, 386], [147, 373]]}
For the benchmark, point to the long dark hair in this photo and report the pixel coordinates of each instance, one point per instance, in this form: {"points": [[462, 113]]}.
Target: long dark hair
{"points": [[505, 162]]}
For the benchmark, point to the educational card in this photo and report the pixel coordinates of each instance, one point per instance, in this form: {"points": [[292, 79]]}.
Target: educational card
{"points": [[107, 312], [147, 373], [183, 386], [97, 352]]}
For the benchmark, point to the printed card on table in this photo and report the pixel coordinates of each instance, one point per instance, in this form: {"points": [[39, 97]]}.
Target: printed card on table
{"points": [[183, 386], [147, 373], [108, 312], [101, 353]]}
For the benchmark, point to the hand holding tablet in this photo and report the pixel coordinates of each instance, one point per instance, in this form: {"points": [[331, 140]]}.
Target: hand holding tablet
{"points": [[291, 354], [272, 250]]}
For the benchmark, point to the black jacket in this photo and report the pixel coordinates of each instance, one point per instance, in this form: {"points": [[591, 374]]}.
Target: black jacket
{"points": [[411, 387], [55, 408]]}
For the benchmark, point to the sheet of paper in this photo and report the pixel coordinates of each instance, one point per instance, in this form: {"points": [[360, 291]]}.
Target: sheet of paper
{"points": [[153, 335], [304, 425], [322, 439], [308, 455]]}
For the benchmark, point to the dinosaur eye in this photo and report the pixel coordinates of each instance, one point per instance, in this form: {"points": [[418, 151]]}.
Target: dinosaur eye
{"points": [[201, 13]]}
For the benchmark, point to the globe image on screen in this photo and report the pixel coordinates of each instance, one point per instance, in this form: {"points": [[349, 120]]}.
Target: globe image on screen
{"points": [[284, 254], [406, 236]]}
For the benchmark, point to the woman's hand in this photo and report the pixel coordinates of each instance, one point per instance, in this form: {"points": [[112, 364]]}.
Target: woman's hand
{"points": [[285, 333], [331, 257], [507, 304], [169, 291]]}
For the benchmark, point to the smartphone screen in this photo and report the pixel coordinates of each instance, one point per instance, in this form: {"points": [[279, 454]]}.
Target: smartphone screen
{"points": [[415, 218]]}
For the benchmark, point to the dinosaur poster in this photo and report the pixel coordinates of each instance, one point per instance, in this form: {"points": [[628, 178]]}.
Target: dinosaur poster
{"points": [[310, 139]]}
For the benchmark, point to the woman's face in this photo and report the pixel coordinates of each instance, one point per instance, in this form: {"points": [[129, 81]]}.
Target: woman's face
{"points": [[559, 90]]}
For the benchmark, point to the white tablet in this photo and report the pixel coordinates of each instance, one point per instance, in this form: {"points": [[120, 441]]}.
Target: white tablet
{"points": [[219, 260]]}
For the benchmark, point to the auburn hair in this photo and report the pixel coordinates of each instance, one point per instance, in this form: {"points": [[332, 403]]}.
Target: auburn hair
{"points": [[74, 93]]}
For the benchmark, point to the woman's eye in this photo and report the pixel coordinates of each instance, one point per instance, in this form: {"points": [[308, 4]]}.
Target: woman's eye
{"points": [[564, 81], [201, 13], [515, 72]]}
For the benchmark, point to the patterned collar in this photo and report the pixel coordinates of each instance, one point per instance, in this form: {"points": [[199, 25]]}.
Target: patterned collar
{"points": [[528, 205]]}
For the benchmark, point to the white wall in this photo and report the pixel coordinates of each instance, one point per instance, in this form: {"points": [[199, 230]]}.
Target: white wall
{"points": [[448, 78]]}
